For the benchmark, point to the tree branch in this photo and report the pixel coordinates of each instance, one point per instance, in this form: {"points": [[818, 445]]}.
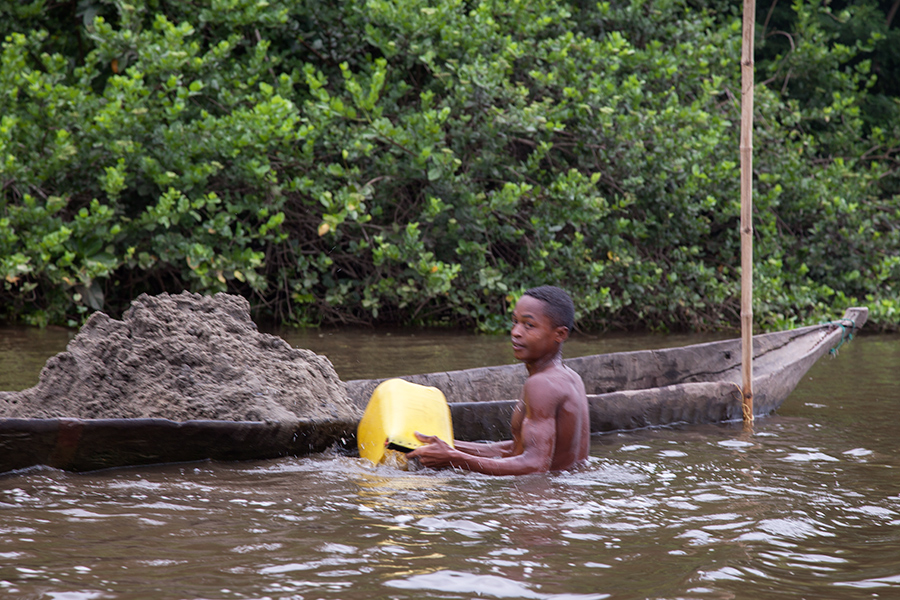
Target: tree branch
{"points": [[891, 14]]}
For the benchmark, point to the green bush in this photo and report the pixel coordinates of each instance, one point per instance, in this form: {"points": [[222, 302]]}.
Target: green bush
{"points": [[424, 162]]}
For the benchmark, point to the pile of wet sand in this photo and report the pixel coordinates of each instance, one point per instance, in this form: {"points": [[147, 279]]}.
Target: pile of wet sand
{"points": [[183, 357]]}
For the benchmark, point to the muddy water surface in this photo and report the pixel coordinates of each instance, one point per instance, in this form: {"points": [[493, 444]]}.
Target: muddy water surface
{"points": [[806, 506]]}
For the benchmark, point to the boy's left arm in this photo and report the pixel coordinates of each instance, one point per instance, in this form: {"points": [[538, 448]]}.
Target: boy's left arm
{"points": [[537, 437]]}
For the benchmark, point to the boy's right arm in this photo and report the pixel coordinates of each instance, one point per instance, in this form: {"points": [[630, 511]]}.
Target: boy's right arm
{"points": [[486, 449]]}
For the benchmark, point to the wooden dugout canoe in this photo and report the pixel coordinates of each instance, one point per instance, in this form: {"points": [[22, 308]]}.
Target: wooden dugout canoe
{"points": [[646, 388], [627, 390]]}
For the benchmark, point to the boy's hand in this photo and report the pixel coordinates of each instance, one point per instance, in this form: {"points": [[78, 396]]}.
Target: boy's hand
{"points": [[435, 453]]}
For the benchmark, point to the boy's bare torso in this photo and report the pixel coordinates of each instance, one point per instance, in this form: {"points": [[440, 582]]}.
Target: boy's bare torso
{"points": [[565, 401]]}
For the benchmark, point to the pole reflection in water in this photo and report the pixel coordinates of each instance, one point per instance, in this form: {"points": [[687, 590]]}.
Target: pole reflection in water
{"points": [[806, 506]]}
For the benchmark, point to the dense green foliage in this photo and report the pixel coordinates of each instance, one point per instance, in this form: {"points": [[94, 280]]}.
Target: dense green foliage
{"points": [[424, 162]]}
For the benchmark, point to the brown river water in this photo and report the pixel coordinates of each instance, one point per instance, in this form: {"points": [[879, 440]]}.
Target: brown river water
{"points": [[805, 506]]}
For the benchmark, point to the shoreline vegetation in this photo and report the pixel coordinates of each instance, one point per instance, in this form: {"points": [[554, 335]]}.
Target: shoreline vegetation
{"points": [[422, 163]]}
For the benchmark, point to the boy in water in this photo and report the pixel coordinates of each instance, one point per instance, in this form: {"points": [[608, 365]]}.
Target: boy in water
{"points": [[550, 425]]}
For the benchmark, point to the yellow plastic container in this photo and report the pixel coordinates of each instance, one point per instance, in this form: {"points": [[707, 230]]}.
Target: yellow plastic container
{"points": [[395, 411]]}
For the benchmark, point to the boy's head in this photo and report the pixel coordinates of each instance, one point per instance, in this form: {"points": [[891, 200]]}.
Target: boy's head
{"points": [[558, 305]]}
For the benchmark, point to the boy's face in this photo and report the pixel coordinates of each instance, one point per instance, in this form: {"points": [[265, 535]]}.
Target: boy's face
{"points": [[533, 334]]}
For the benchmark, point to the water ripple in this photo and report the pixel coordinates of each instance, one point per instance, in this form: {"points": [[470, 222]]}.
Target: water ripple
{"points": [[482, 585]]}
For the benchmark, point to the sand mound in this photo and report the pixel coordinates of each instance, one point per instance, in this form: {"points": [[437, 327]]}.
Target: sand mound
{"points": [[182, 357]]}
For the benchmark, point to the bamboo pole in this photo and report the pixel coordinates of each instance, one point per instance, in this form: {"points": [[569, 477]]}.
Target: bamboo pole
{"points": [[749, 18]]}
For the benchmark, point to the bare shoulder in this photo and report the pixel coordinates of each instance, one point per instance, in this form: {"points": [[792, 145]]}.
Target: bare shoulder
{"points": [[554, 377], [548, 389], [574, 378], [541, 395]]}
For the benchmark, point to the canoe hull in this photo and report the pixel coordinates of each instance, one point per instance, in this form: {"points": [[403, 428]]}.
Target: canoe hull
{"points": [[648, 388], [91, 444]]}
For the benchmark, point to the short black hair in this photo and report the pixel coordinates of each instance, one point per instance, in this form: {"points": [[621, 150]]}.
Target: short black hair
{"points": [[560, 307]]}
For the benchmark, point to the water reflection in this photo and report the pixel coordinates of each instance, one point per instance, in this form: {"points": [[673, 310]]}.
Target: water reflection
{"points": [[23, 352]]}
